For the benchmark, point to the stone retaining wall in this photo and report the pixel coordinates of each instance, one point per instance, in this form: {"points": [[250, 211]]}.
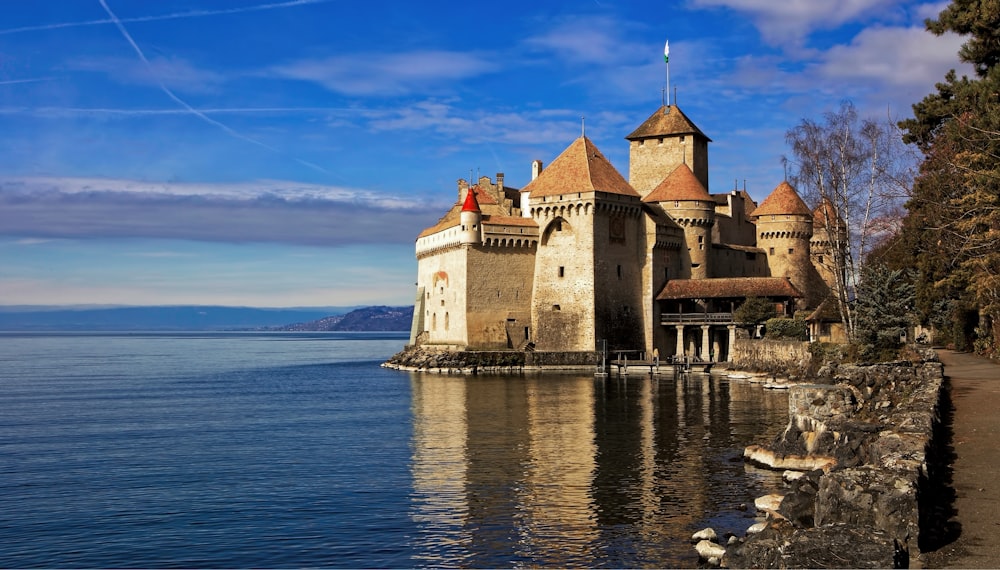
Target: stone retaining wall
{"points": [[779, 357], [870, 431]]}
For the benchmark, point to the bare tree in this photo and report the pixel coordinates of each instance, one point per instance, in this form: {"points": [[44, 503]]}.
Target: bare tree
{"points": [[856, 171]]}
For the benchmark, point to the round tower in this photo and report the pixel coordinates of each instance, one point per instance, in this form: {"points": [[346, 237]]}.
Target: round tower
{"points": [[471, 219], [784, 229], [685, 199], [829, 232]]}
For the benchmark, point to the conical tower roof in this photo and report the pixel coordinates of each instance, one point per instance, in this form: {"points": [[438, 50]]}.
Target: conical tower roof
{"points": [[471, 204], [579, 168], [783, 200], [824, 212], [668, 120], [681, 184]]}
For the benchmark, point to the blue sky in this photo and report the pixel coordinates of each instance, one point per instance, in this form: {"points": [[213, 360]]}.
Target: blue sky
{"points": [[286, 153]]}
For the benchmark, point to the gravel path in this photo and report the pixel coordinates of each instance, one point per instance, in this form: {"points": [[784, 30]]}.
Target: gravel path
{"points": [[975, 423]]}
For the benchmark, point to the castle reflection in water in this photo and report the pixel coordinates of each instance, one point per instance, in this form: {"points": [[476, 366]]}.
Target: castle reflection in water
{"points": [[567, 470]]}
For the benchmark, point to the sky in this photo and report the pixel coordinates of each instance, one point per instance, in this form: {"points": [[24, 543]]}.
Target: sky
{"points": [[287, 153]]}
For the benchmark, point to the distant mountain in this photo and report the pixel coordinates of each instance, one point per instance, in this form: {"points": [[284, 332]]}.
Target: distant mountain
{"points": [[365, 319], [169, 318]]}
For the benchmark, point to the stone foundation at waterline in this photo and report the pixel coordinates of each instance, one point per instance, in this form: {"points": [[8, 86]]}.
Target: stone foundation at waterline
{"points": [[440, 361], [868, 435]]}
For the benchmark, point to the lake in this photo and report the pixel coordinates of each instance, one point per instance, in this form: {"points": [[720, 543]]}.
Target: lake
{"points": [[297, 449]]}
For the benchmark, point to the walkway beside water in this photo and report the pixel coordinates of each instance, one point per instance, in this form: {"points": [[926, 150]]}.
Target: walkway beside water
{"points": [[975, 425]]}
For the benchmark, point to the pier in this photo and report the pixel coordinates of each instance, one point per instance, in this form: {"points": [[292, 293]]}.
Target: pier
{"points": [[655, 367]]}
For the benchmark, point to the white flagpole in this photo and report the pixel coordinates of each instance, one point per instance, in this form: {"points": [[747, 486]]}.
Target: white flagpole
{"points": [[666, 60]]}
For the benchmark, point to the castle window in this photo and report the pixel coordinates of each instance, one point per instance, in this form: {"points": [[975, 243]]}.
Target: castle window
{"points": [[619, 272], [442, 302], [677, 204], [666, 273], [820, 259], [770, 251], [558, 225], [555, 308], [446, 321], [790, 251], [562, 271], [682, 138]]}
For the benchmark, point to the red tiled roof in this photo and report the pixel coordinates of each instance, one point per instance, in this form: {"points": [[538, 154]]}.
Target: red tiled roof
{"points": [[508, 221], [666, 121], [680, 184], [580, 168], [728, 287], [825, 211], [486, 204], [826, 311], [782, 200]]}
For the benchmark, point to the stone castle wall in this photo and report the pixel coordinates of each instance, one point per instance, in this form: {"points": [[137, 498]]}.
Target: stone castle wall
{"points": [[651, 160], [563, 297], [499, 299]]}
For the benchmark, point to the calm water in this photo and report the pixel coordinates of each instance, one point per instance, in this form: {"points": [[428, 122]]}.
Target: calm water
{"points": [[280, 450]]}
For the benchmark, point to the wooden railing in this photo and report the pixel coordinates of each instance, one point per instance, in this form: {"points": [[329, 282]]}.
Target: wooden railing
{"points": [[682, 318]]}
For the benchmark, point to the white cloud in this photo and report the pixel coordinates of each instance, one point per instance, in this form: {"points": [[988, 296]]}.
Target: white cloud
{"points": [[386, 74], [931, 11], [172, 72], [587, 41], [474, 126], [276, 212], [897, 57], [789, 21]]}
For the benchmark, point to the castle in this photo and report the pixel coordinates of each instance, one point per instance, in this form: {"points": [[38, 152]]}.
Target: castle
{"points": [[581, 255]]}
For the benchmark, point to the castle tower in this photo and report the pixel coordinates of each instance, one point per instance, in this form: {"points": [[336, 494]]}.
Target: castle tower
{"points": [[784, 229], [591, 250], [664, 141], [471, 220], [685, 199], [828, 230]]}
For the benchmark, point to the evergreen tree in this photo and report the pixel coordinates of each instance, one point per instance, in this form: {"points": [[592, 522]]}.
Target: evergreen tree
{"points": [[754, 311], [954, 212], [884, 308]]}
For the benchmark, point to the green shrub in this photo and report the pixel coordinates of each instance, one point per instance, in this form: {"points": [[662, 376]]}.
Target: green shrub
{"points": [[787, 329]]}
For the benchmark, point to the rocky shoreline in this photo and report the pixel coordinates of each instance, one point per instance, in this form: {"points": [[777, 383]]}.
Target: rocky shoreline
{"points": [[862, 471]]}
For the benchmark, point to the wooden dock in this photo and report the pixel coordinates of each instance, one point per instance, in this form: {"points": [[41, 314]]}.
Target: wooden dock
{"points": [[655, 367]]}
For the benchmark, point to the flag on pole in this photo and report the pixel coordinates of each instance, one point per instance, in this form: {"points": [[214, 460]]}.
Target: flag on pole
{"points": [[666, 52]]}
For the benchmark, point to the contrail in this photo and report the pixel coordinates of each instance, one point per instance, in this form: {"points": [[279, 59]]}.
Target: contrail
{"points": [[34, 80], [65, 111], [121, 28], [172, 16]]}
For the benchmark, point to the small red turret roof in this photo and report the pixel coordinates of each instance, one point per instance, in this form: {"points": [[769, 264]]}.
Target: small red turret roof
{"points": [[471, 204], [782, 200], [579, 168], [680, 184]]}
